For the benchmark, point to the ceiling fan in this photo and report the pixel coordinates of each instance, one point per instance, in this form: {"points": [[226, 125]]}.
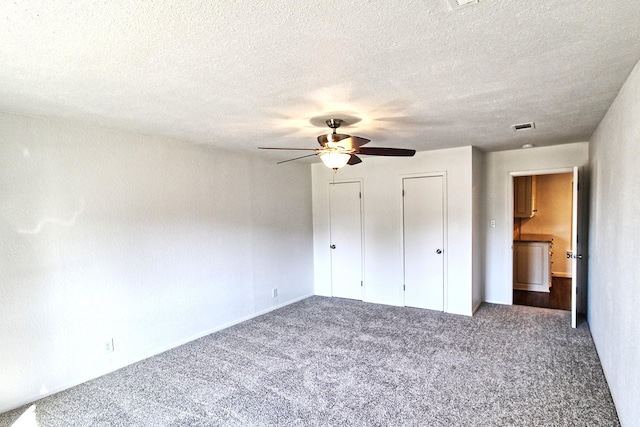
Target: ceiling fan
{"points": [[337, 149]]}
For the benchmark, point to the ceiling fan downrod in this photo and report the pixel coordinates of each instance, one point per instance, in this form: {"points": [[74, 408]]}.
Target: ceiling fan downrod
{"points": [[333, 124]]}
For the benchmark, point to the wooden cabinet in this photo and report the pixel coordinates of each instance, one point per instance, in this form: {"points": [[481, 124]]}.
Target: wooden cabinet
{"points": [[532, 266], [524, 196]]}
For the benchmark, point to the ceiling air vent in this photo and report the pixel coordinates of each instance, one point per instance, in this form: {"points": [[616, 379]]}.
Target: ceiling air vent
{"points": [[523, 126], [457, 4]]}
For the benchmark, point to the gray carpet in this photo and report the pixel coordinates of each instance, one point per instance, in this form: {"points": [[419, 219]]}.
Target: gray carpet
{"points": [[328, 361]]}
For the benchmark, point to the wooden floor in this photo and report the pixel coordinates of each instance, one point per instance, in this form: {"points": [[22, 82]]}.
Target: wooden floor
{"points": [[559, 296]]}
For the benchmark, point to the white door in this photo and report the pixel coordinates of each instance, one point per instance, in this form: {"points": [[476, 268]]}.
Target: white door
{"points": [[423, 215], [346, 239], [578, 249]]}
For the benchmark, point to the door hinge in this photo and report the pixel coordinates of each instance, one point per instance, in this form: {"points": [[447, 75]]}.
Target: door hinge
{"points": [[404, 287], [402, 193], [360, 194], [361, 284]]}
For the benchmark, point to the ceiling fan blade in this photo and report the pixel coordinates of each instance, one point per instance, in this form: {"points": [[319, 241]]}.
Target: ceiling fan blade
{"points": [[296, 158], [282, 148], [354, 142], [386, 151], [354, 160], [331, 137]]}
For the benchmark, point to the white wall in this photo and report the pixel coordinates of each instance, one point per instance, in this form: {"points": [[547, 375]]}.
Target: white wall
{"points": [[382, 199], [498, 205], [148, 241], [614, 245]]}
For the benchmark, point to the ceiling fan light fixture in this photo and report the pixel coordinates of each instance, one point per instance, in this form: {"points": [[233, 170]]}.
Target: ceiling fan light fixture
{"points": [[335, 160]]}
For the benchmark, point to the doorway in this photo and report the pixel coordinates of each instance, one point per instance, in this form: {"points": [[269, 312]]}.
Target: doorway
{"points": [[545, 240]]}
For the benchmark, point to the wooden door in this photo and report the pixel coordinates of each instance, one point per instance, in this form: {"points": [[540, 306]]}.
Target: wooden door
{"points": [[346, 239], [423, 229]]}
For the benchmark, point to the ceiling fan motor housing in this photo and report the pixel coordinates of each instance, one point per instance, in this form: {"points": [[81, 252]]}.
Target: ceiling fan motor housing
{"points": [[334, 124]]}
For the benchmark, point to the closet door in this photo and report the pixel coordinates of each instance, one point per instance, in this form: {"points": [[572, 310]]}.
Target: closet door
{"points": [[346, 239], [423, 227]]}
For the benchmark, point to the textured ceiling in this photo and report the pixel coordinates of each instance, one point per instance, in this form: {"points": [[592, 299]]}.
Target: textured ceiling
{"points": [[238, 74]]}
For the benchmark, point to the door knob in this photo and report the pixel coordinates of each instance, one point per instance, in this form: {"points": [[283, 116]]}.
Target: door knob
{"points": [[332, 246], [438, 251]]}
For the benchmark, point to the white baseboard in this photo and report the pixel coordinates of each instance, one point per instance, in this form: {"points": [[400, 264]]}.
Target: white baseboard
{"points": [[476, 307]]}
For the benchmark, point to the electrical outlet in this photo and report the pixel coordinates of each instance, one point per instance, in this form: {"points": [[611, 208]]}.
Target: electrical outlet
{"points": [[108, 346], [493, 223], [274, 292]]}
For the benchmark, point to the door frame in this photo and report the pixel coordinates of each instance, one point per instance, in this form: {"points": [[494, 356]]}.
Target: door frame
{"points": [[360, 181], [510, 200], [445, 232]]}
